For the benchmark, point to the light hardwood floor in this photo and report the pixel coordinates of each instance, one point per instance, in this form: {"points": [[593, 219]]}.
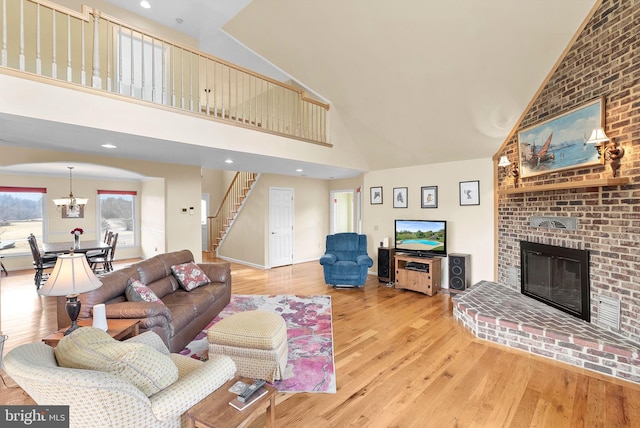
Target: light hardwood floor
{"points": [[401, 361]]}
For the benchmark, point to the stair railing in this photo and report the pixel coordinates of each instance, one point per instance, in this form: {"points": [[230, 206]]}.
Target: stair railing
{"points": [[229, 208], [92, 49]]}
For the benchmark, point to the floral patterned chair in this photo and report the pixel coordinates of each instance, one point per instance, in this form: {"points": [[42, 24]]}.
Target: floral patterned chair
{"points": [[99, 398]]}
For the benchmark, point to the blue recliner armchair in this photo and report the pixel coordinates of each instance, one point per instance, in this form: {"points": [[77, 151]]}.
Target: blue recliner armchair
{"points": [[346, 261]]}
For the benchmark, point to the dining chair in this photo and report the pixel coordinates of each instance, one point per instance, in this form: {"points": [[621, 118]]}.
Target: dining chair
{"points": [[41, 262], [108, 235], [106, 260]]}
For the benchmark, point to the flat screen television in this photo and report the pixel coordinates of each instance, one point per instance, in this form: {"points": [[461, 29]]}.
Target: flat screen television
{"points": [[422, 238]]}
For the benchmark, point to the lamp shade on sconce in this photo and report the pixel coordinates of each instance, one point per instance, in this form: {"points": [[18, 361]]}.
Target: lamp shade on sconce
{"points": [[597, 136], [504, 161]]}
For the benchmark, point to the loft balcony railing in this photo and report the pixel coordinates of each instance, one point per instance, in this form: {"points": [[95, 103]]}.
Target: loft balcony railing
{"points": [[92, 49]]}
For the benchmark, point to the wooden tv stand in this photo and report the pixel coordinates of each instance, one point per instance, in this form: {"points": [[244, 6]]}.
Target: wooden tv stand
{"points": [[425, 280]]}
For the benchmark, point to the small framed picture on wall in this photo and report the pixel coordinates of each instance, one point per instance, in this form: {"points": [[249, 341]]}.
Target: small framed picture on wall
{"points": [[470, 193], [376, 195], [429, 197], [400, 197]]}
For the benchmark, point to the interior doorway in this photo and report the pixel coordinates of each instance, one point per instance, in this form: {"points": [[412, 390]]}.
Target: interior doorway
{"points": [[204, 213], [342, 211]]}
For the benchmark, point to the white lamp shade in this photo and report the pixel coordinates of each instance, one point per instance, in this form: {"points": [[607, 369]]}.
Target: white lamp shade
{"points": [[504, 161], [597, 136], [71, 275], [69, 201]]}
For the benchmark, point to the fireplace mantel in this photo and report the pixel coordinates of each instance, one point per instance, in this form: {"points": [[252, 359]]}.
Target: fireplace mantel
{"points": [[603, 182]]}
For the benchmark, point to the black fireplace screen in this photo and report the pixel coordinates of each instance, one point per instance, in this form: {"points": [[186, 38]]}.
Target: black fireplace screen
{"points": [[557, 276]]}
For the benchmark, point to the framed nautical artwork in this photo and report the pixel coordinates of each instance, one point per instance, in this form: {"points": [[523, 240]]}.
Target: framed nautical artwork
{"points": [[560, 143]]}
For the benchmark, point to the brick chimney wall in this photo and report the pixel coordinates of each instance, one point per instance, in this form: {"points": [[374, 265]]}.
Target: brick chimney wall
{"points": [[604, 62]]}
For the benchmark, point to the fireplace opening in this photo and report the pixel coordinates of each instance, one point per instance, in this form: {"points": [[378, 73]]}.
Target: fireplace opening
{"points": [[557, 276]]}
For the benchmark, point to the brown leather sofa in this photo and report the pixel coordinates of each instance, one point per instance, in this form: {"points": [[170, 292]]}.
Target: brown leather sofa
{"points": [[183, 315]]}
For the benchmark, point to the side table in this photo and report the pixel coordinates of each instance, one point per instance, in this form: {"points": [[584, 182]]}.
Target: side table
{"points": [[214, 411], [118, 329]]}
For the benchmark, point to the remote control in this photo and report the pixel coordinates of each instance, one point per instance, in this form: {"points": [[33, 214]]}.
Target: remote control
{"points": [[250, 390]]}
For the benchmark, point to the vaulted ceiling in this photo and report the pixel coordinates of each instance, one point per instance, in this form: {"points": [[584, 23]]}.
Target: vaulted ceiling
{"points": [[413, 82], [410, 82]]}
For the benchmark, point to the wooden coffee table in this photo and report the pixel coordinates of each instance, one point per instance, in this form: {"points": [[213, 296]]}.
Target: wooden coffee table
{"points": [[215, 412], [118, 329]]}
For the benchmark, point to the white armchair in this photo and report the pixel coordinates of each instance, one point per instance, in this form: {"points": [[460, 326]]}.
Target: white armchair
{"points": [[100, 399]]}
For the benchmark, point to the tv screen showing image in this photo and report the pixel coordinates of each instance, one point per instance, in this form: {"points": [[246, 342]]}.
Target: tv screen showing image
{"points": [[421, 237]]}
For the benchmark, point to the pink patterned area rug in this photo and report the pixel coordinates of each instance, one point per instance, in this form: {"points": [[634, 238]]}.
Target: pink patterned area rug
{"points": [[309, 329]]}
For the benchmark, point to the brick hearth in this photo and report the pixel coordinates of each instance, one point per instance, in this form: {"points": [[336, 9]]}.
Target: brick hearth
{"points": [[501, 315]]}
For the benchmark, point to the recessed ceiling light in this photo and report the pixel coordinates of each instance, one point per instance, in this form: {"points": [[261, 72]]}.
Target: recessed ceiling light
{"points": [[228, 161], [299, 170], [108, 146], [145, 4]]}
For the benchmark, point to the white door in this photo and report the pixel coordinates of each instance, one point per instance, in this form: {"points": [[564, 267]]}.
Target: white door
{"points": [[280, 226]]}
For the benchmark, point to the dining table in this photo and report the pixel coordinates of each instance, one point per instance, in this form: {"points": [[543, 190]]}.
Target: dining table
{"points": [[67, 247]]}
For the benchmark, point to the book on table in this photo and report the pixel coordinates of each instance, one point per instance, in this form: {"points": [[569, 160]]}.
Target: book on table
{"points": [[241, 406]]}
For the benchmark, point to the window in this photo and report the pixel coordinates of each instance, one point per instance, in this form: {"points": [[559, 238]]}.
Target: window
{"points": [[21, 213], [117, 214]]}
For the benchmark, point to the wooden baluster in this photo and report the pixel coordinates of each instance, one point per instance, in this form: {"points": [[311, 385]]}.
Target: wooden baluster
{"points": [[22, 59], [54, 45], [182, 103], [153, 70], [120, 76], [131, 88], [96, 81], [143, 80], [3, 56], [83, 72], [109, 57], [173, 78], [215, 81], [165, 98], [38, 52], [207, 87], [190, 81], [69, 71]]}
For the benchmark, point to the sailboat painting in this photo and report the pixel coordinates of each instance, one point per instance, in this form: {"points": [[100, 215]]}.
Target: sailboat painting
{"points": [[560, 143]]}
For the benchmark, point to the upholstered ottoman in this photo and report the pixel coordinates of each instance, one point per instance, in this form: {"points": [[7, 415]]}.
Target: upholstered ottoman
{"points": [[255, 340]]}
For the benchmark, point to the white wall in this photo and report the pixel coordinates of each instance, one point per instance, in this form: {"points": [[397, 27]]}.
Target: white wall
{"points": [[470, 229], [152, 224], [182, 188], [248, 239]]}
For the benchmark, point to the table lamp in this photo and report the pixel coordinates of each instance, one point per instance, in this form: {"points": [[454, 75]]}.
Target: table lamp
{"points": [[71, 276]]}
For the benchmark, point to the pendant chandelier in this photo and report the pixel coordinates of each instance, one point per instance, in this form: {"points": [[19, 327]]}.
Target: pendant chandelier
{"points": [[72, 203]]}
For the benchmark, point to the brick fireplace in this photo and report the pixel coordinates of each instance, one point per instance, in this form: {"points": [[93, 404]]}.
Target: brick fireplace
{"points": [[599, 62], [501, 315]]}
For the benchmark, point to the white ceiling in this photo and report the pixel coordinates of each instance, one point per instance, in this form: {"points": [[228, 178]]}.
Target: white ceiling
{"points": [[413, 82]]}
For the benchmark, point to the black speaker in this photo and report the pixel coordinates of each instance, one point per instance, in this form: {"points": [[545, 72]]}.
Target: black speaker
{"points": [[459, 272], [386, 269]]}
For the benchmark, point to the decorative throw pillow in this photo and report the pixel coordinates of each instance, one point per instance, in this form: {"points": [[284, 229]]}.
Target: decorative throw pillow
{"points": [[90, 348], [138, 292], [189, 275]]}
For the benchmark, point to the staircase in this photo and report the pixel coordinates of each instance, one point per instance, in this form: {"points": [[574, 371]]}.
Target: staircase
{"points": [[229, 208]]}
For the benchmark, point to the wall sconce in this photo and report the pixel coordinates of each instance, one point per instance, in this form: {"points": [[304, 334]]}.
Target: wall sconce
{"points": [[504, 162], [612, 152]]}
